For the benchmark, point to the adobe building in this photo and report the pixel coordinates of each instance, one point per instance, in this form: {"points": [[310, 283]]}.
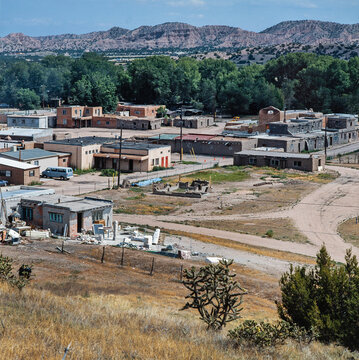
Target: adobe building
{"points": [[205, 144], [280, 160], [193, 122], [12, 196], [77, 116], [125, 109], [18, 173], [66, 215], [38, 157], [132, 123], [135, 156], [272, 114], [82, 149], [26, 134]]}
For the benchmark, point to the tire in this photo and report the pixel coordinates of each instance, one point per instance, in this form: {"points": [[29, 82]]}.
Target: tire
{"points": [[62, 178]]}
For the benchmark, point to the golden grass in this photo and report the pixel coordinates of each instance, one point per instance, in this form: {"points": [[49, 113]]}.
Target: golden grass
{"points": [[283, 229], [349, 231], [114, 313], [278, 254]]}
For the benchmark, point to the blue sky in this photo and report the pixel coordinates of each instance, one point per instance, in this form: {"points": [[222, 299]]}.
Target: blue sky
{"points": [[47, 17]]}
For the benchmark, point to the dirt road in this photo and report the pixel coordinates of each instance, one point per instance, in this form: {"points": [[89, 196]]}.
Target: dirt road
{"points": [[317, 215]]}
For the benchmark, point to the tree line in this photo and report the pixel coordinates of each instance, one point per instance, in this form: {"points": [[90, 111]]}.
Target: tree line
{"points": [[299, 80]]}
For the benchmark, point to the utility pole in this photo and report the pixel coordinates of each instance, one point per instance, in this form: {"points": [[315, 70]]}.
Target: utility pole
{"points": [[119, 160], [181, 149], [325, 142]]}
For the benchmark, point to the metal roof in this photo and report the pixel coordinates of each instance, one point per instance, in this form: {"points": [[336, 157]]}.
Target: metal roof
{"points": [[16, 164], [163, 137], [273, 154], [199, 137], [134, 145], [123, 156], [71, 203], [30, 154], [82, 141]]}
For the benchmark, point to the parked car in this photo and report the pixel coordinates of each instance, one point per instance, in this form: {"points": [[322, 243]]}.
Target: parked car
{"points": [[4, 183], [63, 173]]}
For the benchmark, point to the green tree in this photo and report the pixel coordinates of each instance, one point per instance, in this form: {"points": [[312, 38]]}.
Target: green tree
{"points": [[325, 298], [27, 99]]}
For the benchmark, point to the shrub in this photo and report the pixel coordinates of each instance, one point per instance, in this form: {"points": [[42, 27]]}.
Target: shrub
{"points": [[108, 172], [263, 333], [270, 233], [214, 293], [7, 275], [325, 297]]}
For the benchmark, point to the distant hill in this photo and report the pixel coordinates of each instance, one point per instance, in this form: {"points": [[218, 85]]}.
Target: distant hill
{"points": [[185, 36]]}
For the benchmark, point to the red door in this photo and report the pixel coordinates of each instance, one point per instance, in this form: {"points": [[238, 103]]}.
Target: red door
{"points": [[166, 161], [162, 162]]}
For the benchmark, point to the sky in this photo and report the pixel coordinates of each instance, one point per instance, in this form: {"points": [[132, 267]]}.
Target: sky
{"points": [[50, 17]]}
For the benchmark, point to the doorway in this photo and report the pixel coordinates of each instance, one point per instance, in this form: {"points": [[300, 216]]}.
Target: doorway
{"points": [[79, 222], [130, 165]]}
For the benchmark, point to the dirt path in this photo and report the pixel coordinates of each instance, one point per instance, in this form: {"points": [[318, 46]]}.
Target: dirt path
{"points": [[305, 249], [317, 215]]}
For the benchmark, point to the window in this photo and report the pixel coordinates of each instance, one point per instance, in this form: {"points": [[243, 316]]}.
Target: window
{"points": [[55, 217], [76, 112], [63, 112], [137, 112], [97, 215], [63, 160], [27, 213], [86, 152], [157, 161], [319, 162], [252, 161], [153, 162], [6, 173], [36, 162], [32, 173], [64, 121], [96, 150], [98, 122], [270, 112], [107, 123], [297, 163], [88, 111], [274, 162]]}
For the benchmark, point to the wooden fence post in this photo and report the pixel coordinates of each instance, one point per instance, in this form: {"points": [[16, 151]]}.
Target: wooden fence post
{"points": [[103, 255], [122, 255], [181, 273], [152, 266]]}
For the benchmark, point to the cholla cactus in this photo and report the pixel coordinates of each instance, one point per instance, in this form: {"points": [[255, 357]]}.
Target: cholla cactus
{"points": [[214, 293]]}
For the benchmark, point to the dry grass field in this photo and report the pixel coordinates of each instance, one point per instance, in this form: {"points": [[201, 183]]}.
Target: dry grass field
{"points": [[111, 312]]}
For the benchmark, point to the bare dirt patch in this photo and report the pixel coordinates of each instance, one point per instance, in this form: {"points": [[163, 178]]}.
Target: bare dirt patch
{"points": [[349, 231], [280, 229]]}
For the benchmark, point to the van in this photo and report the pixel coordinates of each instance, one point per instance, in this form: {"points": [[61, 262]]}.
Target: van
{"points": [[64, 173]]}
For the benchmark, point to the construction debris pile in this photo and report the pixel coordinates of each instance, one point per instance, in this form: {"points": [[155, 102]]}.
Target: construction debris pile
{"points": [[196, 189]]}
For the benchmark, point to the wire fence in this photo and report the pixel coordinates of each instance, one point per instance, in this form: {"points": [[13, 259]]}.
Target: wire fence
{"points": [[110, 182]]}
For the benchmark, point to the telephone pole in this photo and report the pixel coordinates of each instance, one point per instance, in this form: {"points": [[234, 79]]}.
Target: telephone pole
{"points": [[181, 149], [119, 160]]}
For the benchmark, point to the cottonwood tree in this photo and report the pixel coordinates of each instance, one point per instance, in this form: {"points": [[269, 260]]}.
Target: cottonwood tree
{"points": [[214, 293]]}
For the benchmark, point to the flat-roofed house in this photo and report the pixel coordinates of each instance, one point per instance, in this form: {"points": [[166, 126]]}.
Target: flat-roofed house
{"points": [[135, 156], [66, 215], [280, 160], [17, 172], [38, 157]]}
